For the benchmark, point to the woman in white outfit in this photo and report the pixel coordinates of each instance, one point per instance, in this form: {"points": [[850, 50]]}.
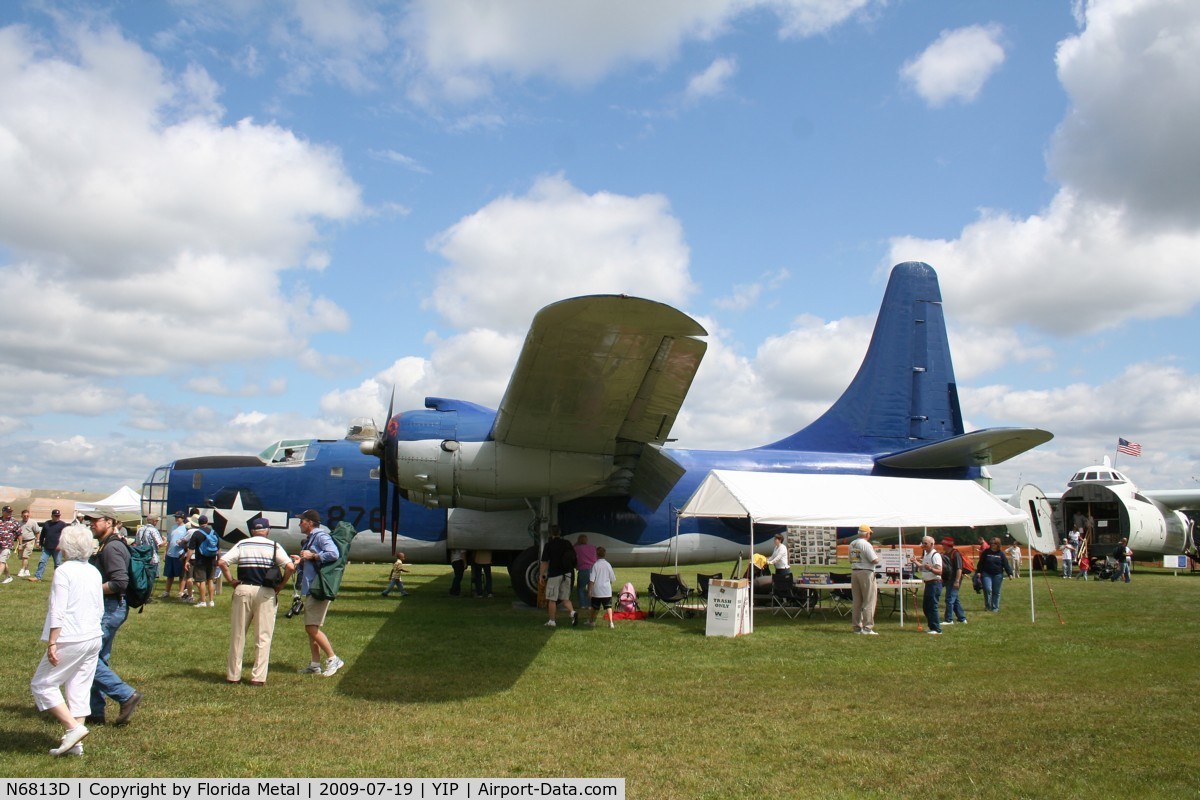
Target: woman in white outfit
{"points": [[72, 634]]}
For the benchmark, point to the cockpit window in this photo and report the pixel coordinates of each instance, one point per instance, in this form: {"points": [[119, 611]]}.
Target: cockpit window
{"points": [[1078, 476], [289, 451], [1120, 477], [1091, 476]]}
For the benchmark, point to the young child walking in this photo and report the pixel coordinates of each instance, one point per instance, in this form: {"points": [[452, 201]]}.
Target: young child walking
{"points": [[600, 588], [396, 580]]}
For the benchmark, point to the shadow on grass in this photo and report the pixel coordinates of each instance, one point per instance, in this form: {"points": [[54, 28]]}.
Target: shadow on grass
{"points": [[31, 732], [435, 648]]}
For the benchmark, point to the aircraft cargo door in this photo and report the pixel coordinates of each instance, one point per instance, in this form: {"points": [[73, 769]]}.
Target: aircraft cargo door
{"points": [[1039, 523]]}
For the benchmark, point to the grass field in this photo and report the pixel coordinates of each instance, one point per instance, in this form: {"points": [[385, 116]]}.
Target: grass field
{"points": [[1101, 705]]}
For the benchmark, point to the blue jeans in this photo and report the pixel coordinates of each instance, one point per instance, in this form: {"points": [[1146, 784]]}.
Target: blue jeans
{"points": [[585, 577], [1125, 570], [954, 609], [1066, 568], [108, 683], [991, 591], [46, 556], [929, 604]]}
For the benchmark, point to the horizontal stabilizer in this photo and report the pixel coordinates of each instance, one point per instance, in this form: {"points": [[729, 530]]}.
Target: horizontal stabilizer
{"points": [[974, 449]]}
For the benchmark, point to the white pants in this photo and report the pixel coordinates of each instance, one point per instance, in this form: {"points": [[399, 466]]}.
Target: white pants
{"points": [[75, 671]]}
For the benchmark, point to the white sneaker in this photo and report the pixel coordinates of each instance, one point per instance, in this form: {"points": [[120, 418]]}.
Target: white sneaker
{"points": [[7, 580], [934, 633], [551, 623], [312, 669], [70, 739], [869, 633], [212, 603], [77, 750], [332, 666], [611, 625], [23, 573]]}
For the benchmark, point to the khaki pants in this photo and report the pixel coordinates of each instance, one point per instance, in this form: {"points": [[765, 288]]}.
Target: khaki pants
{"points": [[862, 587], [256, 604]]}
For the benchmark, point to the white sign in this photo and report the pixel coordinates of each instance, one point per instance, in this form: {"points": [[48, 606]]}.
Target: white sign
{"points": [[1175, 562]]}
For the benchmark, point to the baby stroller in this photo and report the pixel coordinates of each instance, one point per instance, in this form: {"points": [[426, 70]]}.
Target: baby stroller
{"points": [[1106, 569], [627, 600]]}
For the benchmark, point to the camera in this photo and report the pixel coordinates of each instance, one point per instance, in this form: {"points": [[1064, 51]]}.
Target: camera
{"points": [[297, 607]]}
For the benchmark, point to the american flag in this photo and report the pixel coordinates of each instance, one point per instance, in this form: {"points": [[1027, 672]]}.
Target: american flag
{"points": [[1128, 447]]}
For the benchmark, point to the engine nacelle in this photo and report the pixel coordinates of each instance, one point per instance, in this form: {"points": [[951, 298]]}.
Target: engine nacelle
{"points": [[491, 475]]}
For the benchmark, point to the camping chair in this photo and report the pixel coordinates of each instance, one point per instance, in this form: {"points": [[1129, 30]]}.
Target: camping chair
{"points": [[667, 592], [784, 596], [702, 587]]}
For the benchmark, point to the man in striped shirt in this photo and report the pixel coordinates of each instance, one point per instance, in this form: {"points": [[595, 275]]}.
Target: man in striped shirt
{"points": [[255, 598]]}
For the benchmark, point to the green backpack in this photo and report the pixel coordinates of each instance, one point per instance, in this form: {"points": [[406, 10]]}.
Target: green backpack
{"points": [[329, 576]]}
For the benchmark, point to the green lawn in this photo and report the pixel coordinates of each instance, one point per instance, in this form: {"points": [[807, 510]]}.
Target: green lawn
{"points": [[1100, 705]]}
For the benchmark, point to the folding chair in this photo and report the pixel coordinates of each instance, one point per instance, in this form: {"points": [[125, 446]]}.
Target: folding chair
{"points": [[667, 592], [784, 597], [843, 601], [702, 587]]}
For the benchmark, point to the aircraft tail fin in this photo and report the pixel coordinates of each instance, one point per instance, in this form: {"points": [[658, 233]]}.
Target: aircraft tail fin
{"points": [[904, 394]]}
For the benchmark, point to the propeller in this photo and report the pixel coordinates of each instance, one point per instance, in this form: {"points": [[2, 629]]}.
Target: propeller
{"points": [[381, 448]]}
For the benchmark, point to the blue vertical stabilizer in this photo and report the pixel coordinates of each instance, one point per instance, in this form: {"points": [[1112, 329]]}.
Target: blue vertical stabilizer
{"points": [[904, 394]]}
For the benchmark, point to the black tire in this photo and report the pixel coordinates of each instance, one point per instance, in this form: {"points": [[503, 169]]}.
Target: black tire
{"points": [[523, 572]]}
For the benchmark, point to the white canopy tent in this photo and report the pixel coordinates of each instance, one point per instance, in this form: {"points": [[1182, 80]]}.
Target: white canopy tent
{"points": [[779, 498], [124, 501]]}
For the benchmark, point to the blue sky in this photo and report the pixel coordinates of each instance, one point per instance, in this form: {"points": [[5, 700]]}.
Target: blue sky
{"points": [[226, 222]]}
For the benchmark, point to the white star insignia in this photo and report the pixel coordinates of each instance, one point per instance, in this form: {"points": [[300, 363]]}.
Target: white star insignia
{"points": [[236, 517]]}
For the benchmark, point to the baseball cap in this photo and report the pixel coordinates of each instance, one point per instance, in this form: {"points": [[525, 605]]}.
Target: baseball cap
{"points": [[864, 529], [260, 524], [201, 520], [56, 513], [7, 509], [101, 512], [947, 542]]}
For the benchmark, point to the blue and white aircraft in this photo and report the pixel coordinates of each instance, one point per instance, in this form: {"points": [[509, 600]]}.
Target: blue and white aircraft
{"points": [[578, 442]]}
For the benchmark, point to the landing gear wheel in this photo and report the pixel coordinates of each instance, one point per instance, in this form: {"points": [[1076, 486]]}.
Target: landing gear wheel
{"points": [[523, 571]]}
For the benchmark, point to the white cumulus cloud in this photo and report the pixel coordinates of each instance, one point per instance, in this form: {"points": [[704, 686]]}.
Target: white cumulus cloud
{"points": [[956, 66]]}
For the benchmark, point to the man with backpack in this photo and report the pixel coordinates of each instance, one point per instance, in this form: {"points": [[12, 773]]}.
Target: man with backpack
{"points": [[557, 566], [202, 556], [952, 575], [316, 550], [113, 562], [148, 535]]}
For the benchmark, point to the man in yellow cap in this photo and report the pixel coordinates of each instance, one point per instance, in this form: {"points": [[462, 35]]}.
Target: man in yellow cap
{"points": [[863, 559]]}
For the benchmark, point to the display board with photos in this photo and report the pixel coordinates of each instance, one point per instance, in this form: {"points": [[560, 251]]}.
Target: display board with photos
{"points": [[812, 545]]}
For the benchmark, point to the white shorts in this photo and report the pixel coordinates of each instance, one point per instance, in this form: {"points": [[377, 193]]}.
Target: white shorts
{"points": [[558, 588]]}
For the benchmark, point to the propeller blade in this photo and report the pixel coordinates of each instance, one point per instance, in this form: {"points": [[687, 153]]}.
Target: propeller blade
{"points": [[395, 519], [382, 450]]}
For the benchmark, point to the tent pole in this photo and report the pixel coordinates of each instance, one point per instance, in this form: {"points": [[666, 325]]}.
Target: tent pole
{"points": [[1032, 612], [900, 577], [751, 568], [676, 542]]}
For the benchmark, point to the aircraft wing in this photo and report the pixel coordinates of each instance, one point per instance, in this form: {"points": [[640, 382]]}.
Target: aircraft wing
{"points": [[1175, 499], [974, 449], [599, 370]]}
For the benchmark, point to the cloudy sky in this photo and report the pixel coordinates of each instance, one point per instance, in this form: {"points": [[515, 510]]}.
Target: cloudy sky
{"points": [[225, 222]]}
